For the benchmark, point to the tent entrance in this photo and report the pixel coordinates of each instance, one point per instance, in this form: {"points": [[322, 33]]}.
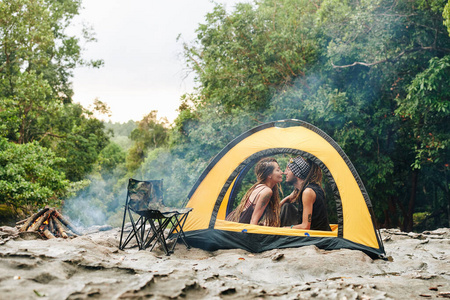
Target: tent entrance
{"points": [[228, 197]]}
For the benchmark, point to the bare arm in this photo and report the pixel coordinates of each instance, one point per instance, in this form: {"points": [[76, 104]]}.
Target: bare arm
{"points": [[308, 199], [260, 206]]}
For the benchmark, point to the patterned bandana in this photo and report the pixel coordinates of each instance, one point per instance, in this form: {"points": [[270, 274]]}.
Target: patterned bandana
{"points": [[299, 167]]}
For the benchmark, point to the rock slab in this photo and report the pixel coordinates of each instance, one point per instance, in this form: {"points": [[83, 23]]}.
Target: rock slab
{"points": [[92, 266]]}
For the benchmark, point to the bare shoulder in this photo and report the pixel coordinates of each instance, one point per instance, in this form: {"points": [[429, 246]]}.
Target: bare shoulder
{"points": [[266, 191], [264, 197], [262, 193], [309, 191], [309, 194]]}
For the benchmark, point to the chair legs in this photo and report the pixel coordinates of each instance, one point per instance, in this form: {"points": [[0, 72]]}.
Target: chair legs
{"points": [[155, 231], [140, 198], [177, 222], [146, 235], [158, 233], [138, 231]]}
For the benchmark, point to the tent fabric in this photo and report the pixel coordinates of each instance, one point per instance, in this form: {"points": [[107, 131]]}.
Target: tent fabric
{"points": [[212, 240], [215, 190]]}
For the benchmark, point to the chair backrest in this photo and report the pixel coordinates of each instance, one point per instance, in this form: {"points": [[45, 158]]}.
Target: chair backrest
{"points": [[145, 195]]}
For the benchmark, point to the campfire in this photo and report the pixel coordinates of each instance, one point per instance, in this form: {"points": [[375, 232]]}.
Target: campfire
{"points": [[49, 223]]}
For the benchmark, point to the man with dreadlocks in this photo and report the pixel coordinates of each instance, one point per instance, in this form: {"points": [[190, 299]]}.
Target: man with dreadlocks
{"points": [[305, 207]]}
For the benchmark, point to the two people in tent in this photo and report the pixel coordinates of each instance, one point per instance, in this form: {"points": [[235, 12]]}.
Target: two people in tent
{"points": [[261, 204], [304, 208]]}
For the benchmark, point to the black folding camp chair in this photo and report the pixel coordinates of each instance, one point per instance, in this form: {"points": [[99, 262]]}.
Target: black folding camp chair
{"points": [[145, 198]]}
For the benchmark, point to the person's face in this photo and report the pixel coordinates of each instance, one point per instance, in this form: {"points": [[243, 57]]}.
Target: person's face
{"points": [[290, 177], [277, 174]]}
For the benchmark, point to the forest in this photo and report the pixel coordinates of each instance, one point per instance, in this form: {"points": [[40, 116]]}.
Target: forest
{"points": [[374, 75]]}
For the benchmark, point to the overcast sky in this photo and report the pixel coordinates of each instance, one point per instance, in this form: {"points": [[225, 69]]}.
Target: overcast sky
{"points": [[144, 68]]}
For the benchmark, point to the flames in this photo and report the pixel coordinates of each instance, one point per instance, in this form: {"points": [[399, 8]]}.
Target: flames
{"points": [[50, 224]]}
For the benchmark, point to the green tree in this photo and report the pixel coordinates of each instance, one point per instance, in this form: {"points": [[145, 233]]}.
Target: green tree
{"points": [[241, 58], [446, 15], [427, 105], [150, 133], [121, 129], [359, 60], [110, 158], [28, 177], [426, 108], [120, 133], [36, 63], [81, 139], [376, 49], [23, 109]]}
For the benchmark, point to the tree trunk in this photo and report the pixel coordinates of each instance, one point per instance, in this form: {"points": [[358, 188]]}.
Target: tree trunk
{"points": [[444, 187], [390, 214], [408, 221], [447, 195], [393, 215]]}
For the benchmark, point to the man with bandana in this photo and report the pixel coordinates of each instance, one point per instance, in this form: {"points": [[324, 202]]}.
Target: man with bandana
{"points": [[305, 207]]}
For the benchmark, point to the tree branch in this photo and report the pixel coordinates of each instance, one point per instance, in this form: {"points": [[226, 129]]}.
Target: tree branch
{"points": [[51, 134], [388, 59]]}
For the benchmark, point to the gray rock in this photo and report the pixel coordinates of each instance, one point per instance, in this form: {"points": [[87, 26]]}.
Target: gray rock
{"points": [[92, 266]]}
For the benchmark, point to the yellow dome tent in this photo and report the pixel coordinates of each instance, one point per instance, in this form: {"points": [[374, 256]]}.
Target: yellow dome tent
{"points": [[211, 195]]}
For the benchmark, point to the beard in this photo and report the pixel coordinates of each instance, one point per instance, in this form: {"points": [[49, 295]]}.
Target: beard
{"points": [[292, 180]]}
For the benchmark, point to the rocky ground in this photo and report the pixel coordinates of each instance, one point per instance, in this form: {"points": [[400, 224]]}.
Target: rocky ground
{"points": [[92, 266]]}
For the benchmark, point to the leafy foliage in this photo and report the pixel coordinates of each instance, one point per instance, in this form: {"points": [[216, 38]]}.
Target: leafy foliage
{"points": [[79, 139], [360, 71], [242, 58], [427, 105], [120, 133], [150, 133], [38, 119], [28, 177], [371, 74]]}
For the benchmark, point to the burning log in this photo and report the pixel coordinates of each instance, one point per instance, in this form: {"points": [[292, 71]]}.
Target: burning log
{"points": [[21, 221], [49, 223], [66, 223], [31, 219], [37, 224], [59, 227], [48, 234]]}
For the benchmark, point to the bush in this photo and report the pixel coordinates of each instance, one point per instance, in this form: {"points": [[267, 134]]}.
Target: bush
{"points": [[28, 176]]}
